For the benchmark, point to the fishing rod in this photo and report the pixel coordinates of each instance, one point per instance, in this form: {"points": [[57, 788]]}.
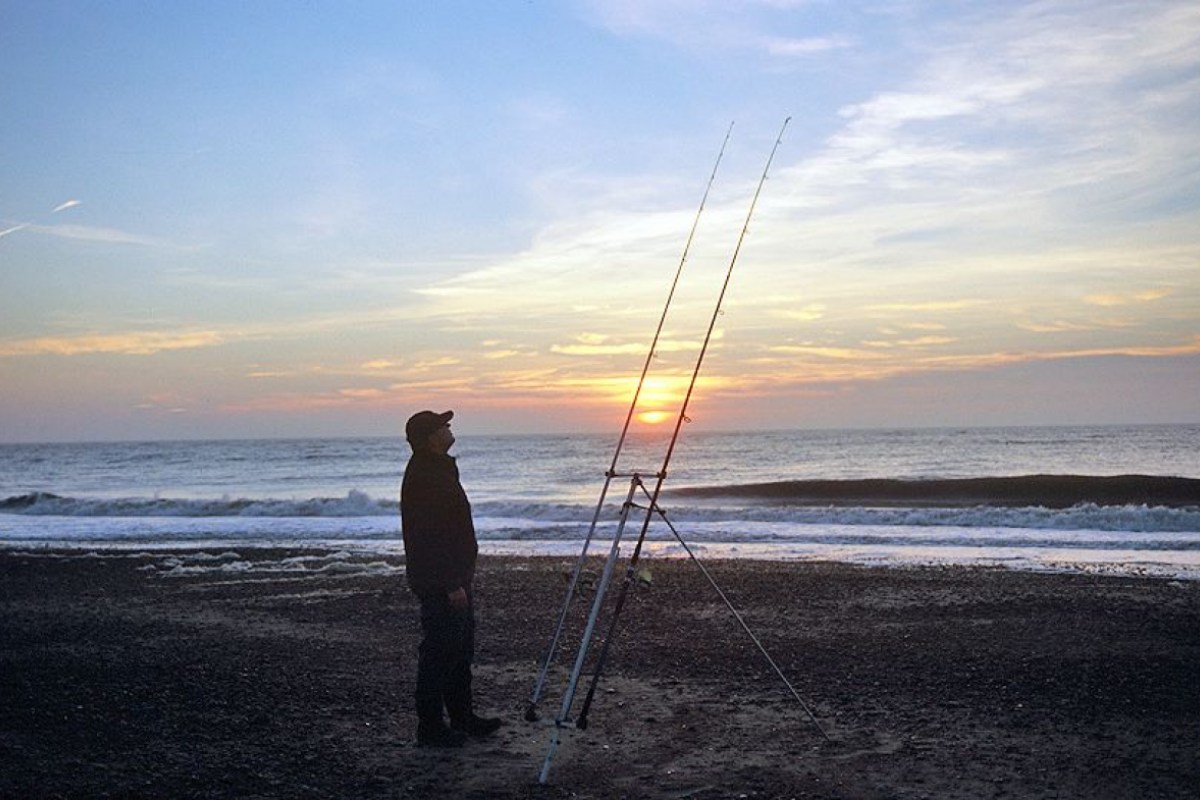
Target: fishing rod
{"points": [[636, 484], [531, 709], [661, 476]]}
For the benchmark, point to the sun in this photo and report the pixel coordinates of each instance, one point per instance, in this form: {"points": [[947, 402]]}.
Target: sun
{"points": [[653, 417]]}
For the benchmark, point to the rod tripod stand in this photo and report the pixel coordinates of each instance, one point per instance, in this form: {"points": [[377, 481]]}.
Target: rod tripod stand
{"points": [[650, 510], [638, 491]]}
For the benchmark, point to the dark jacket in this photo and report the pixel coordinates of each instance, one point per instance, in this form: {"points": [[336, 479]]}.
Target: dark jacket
{"points": [[439, 534]]}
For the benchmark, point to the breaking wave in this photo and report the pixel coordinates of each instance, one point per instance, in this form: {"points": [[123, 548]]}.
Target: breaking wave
{"points": [[1051, 491], [732, 510], [354, 504]]}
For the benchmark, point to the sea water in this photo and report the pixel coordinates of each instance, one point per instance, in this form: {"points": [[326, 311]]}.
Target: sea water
{"points": [[539, 494]]}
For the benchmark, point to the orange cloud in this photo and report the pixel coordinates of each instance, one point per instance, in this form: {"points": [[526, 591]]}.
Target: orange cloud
{"points": [[129, 344], [1127, 298]]}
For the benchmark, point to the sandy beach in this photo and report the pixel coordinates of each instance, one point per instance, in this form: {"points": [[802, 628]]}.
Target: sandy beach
{"points": [[132, 676]]}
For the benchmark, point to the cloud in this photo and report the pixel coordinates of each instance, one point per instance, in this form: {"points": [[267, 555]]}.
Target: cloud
{"points": [[597, 349], [132, 343], [804, 364], [1036, 102], [796, 367], [919, 342], [927, 305], [381, 364], [1057, 326], [594, 344], [165, 402], [809, 313], [150, 342], [86, 233], [24, 225], [827, 352], [1126, 298], [956, 204], [793, 48], [103, 235], [362, 394], [708, 25]]}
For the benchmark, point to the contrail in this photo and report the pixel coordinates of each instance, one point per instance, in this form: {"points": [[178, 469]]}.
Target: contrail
{"points": [[23, 225]]}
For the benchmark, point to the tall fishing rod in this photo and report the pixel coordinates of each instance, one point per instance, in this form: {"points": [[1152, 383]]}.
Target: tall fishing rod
{"points": [[531, 710], [661, 476]]}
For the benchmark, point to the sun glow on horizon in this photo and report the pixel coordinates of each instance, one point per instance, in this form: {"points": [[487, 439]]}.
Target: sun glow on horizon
{"points": [[653, 417]]}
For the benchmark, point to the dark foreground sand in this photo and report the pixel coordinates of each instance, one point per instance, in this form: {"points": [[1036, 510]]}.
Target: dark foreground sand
{"points": [[117, 680]]}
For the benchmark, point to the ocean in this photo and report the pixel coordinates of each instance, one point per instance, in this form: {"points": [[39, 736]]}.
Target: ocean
{"points": [[877, 497]]}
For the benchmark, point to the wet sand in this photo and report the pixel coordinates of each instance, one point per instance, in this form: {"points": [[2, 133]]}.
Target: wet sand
{"points": [[120, 678]]}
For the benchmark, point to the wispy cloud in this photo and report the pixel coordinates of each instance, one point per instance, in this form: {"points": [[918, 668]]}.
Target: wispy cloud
{"points": [[85, 233], [918, 342], [928, 305], [811, 365], [166, 403], [719, 24], [138, 343], [151, 342], [1126, 298], [88, 233], [1057, 326], [792, 48], [592, 344]]}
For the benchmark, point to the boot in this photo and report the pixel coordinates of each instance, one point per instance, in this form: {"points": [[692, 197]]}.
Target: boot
{"points": [[474, 725], [460, 706]]}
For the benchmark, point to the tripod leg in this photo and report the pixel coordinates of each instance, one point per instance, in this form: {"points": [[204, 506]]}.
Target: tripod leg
{"points": [[572, 585], [589, 631]]}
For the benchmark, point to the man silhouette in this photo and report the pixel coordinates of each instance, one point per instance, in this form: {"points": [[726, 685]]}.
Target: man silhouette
{"points": [[440, 553]]}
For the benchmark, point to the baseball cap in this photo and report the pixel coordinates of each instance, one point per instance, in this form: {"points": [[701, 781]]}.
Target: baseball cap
{"points": [[423, 423]]}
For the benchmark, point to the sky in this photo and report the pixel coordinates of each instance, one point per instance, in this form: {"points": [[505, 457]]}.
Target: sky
{"points": [[275, 219]]}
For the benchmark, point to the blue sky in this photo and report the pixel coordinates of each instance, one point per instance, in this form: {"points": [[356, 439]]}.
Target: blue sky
{"points": [[287, 219]]}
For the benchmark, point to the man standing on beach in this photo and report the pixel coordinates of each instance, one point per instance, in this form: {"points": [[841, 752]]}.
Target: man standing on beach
{"points": [[440, 552]]}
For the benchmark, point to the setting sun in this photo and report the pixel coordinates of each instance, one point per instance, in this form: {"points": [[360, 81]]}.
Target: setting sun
{"points": [[653, 417]]}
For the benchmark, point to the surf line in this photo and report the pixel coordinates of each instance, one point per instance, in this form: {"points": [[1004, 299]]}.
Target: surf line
{"points": [[649, 508]]}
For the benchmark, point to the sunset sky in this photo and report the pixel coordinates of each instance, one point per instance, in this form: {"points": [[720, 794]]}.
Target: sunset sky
{"points": [[244, 219]]}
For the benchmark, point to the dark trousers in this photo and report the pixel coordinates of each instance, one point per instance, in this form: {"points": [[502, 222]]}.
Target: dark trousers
{"points": [[444, 661]]}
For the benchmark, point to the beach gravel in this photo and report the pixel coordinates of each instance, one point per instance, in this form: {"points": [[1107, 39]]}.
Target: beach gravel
{"points": [[271, 674]]}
